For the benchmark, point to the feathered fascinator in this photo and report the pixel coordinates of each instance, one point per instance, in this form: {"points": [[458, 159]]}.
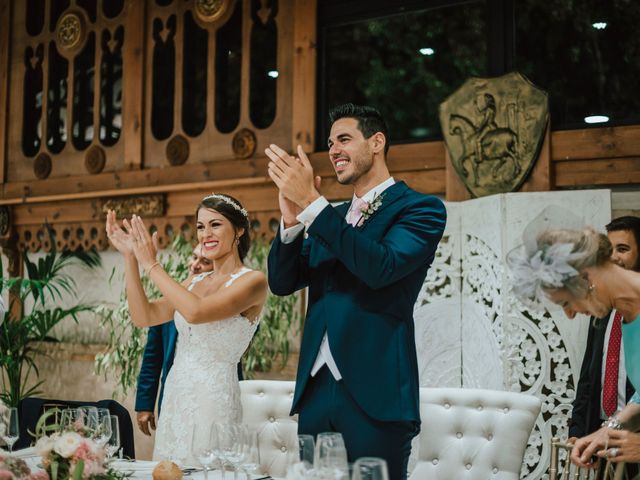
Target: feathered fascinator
{"points": [[534, 268]]}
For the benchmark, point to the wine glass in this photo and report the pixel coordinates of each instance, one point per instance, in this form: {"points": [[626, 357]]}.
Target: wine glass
{"points": [[202, 444], [331, 454], [306, 450], [252, 452], [71, 420], [89, 417], [235, 454], [103, 433], [113, 443], [370, 468], [11, 430]]}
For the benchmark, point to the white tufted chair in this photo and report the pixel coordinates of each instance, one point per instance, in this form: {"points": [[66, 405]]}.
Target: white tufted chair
{"points": [[473, 434], [265, 407]]}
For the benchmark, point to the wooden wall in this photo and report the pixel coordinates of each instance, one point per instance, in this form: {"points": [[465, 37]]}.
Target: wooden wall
{"points": [[73, 201]]}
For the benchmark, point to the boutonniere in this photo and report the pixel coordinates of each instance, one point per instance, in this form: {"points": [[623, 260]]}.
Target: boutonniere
{"points": [[369, 208]]}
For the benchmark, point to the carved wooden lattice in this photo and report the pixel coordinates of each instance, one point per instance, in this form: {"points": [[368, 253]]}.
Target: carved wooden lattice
{"points": [[470, 330]]}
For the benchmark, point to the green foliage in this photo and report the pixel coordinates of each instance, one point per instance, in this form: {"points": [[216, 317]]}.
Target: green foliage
{"points": [[126, 341], [47, 281], [280, 318]]}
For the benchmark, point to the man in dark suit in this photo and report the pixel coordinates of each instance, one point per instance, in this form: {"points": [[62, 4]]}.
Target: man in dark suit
{"points": [[590, 406], [364, 262], [158, 358]]}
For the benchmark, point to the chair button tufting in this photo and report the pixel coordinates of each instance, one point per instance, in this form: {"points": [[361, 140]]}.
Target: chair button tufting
{"points": [[495, 470], [283, 449], [446, 405], [479, 408], [272, 419], [505, 409], [435, 461], [459, 435], [468, 466], [490, 436], [261, 394]]}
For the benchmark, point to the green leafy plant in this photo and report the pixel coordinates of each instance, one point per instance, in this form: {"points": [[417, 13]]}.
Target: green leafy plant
{"points": [[280, 319], [48, 280], [126, 342]]}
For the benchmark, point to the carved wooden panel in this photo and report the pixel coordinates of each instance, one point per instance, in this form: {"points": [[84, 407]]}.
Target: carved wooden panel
{"points": [[68, 75]]}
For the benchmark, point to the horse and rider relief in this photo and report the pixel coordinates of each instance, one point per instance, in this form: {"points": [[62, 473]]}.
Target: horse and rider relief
{"points": [[493, 130]]}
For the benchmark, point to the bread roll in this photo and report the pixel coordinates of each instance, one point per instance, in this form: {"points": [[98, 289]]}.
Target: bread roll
{"points": [[166, 470]]}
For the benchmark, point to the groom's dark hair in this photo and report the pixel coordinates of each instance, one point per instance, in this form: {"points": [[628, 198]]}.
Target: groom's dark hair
{"points": [[369, 119]]}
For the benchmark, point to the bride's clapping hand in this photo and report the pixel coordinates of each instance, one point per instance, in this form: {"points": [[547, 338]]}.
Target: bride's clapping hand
{"points": [[119, 238], [145, 246]]}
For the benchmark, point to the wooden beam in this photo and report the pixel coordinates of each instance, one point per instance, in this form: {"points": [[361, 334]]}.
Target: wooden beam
{"points": [[603, 171], [133, 84], [5, 36], [609, 142], [303, 97]]}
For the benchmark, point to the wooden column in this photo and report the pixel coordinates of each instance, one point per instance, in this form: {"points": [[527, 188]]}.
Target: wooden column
{"points": [[5, 36], [133, 83], [304, 74]]}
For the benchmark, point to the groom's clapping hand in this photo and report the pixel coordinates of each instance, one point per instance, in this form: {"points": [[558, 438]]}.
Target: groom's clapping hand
{"points": [[293, 176]]}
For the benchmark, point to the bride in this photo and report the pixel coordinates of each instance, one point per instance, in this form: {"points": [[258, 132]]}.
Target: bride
{"points": [[216, 314]]}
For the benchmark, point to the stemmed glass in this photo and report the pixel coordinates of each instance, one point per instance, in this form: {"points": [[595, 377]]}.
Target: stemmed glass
{"points": [[89, 417], [103, 433], [252, 452], [234, 451], [11, 428], [370, 468], [71, 420], [203, 444], [113, 443]]}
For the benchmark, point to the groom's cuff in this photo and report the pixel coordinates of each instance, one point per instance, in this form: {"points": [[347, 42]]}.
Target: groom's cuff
{"points": [[309, 214], [288, 235]]}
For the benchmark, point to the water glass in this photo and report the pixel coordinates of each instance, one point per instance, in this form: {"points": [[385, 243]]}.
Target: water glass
{"points": [[71, 420], [103, 433], [10, 427], [88, 415], [370, 468], [251, 462], [203, 445], [113, 444], [306, 450], [331, 453]]}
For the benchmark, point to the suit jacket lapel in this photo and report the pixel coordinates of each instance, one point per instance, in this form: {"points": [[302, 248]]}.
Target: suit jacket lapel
{"points": [[390, 195]]}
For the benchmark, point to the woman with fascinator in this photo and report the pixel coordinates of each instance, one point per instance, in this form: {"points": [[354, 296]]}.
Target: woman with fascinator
{"points": [[216, 314], [572, 269]]}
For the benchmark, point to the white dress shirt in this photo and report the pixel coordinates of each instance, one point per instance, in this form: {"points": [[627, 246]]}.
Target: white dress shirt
{"points": [[306, 218]]}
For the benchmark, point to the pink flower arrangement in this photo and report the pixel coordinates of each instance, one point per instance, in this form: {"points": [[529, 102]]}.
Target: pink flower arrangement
{"points": [[69, 455], [13, 468]]}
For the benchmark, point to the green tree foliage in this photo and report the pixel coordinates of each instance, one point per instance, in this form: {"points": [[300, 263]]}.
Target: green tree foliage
{"points": [[48, 280]]}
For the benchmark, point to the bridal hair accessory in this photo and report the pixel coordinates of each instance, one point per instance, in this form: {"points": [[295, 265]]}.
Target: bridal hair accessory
{"points": [[544, 269], [228, 201], [534, 268]]}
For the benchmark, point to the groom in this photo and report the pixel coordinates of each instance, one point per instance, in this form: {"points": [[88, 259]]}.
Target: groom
{"points": [[364, 262]]}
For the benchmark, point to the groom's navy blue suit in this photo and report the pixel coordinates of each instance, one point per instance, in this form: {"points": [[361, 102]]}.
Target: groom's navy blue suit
{"points": [[363, 283]]}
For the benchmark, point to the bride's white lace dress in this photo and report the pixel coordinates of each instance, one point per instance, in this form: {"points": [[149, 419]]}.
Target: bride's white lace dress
{"points": [[202, 385]]}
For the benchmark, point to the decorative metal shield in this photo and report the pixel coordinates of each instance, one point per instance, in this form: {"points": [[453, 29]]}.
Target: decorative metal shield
{"points": [[493, 129]]}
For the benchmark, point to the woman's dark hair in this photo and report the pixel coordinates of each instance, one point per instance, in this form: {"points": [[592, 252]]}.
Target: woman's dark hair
{"points": [[232, 210]]}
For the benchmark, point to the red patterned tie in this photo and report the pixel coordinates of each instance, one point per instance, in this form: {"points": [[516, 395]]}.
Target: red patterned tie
{"points": [[610, 387]]}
